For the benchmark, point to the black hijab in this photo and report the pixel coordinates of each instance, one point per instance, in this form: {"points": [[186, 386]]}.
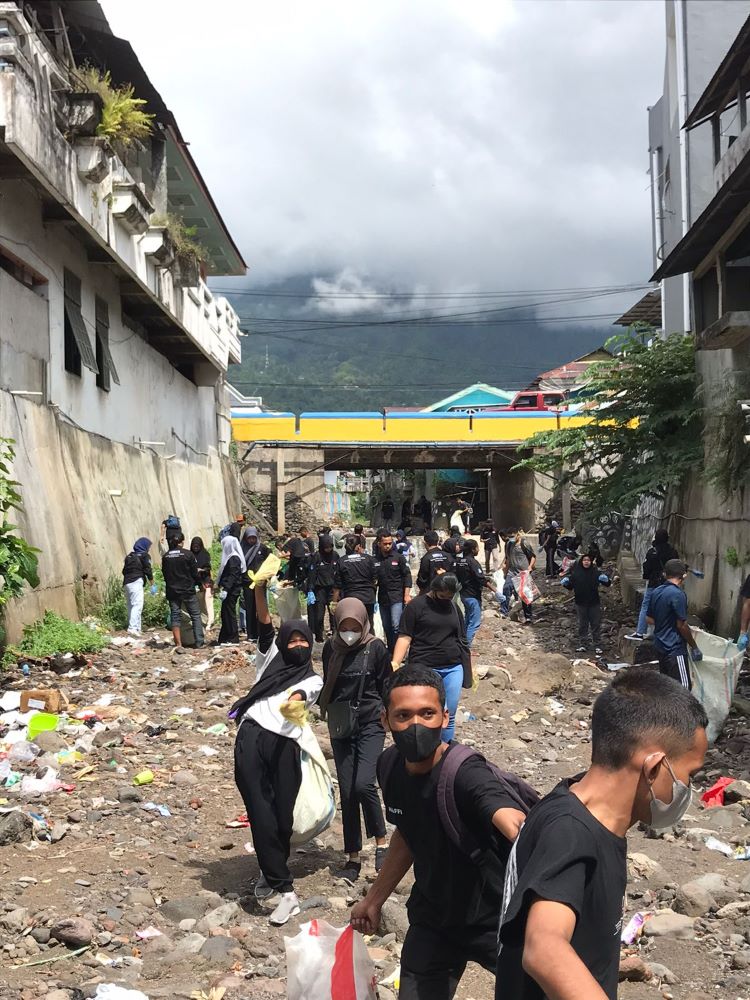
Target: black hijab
{"points": [[202, 556], [326, 548], [280, 674]]}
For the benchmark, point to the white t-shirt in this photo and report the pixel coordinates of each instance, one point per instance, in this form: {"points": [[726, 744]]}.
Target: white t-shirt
{"points": [[266, 712]]}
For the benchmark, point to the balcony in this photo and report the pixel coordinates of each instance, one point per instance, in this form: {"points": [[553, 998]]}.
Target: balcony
{"points": [[86, 188]]}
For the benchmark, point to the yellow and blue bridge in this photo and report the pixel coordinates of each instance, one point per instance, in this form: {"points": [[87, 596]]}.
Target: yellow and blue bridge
{"points": [[282, 452]]}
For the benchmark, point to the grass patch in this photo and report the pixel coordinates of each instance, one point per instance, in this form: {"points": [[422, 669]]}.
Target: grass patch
{"points": [[113, 610], [55, 634]]}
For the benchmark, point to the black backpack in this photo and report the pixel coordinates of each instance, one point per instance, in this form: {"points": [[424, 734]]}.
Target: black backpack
{"points": [[523, 795]]}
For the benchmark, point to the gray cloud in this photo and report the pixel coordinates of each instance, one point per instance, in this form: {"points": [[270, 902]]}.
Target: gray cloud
{"points": [[444, 144]]}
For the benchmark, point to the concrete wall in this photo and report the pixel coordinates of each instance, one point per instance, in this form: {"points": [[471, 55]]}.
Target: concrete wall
{"points": [[66, 476], [259, 477], [24, 338], [153, 401]]}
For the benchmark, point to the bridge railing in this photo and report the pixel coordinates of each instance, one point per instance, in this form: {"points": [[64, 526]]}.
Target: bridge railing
{"points": [[399, 428]]}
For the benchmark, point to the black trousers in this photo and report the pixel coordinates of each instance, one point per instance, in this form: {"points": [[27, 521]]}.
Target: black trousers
{"points": [[316, 612], [589, 616], [552, 569], [356, 759], [251, 613], [229, 631], [432, 962], [676, 667], [268, 774]]}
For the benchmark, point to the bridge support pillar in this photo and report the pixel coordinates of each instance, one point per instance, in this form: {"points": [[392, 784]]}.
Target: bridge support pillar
{"points": [[280, 492]]}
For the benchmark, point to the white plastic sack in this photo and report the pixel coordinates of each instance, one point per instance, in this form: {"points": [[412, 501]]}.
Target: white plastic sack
{"points": [[715, 678], [315, 807], [329, 963], [287, 603], [496, 560], [110, 991], [378, 627], [498, 578]]}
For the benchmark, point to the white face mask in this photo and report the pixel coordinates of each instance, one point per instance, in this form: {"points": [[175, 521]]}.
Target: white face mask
{"points": [[350, 637]]}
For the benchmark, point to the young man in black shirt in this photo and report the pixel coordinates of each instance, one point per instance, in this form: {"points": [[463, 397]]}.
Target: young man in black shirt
{"points": [[473, 581], [180, 579], [355, 576], [297, 553], [433, 562], [453, 904], [561, 920], [394, 586]]}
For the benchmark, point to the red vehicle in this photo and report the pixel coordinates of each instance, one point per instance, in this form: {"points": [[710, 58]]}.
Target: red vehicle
{"points": [[532, 401]]}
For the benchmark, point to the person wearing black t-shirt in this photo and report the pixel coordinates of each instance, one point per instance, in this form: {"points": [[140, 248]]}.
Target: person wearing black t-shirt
{"points": [[321, 578], [433, 562], [356, 666], [304, 534], [561, 919], [473, 581], [356, 576], [296, 552], [255, 553], [455, 898], [181, 579], [394, 585], [433, 634], [491, 541]]}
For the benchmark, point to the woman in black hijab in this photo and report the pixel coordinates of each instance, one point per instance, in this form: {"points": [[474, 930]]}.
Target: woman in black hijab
{"points": [[267, 768], [206, 595], [321, 576]]}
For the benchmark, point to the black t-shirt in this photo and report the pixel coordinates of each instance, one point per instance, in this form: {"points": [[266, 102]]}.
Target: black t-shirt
{"points": [[309, 545], [347, 686], [564, 854], [491, 540], [180, 573], [321, 573], [355, 577], [471, 577], [434, 626], [450, 890], [394, 576], [432, 561], [137, 566]]}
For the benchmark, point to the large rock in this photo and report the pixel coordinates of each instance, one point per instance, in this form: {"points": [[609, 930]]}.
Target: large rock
{"points": [[14, 827], [693, 900], [15, 920], [722, 889], [641, 866], [75, 932], [542, 673], [723, 819], [738, 791], [734, 910], [220, 952], [221, 916], [50, 742], [667, 923], [634, 969], [140, 897], [394, 919], [188, 907]]}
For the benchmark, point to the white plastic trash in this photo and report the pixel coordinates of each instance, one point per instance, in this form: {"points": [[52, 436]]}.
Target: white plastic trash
{"points": [[329, 963], [715, 678], [287, 603], [110, 991]]}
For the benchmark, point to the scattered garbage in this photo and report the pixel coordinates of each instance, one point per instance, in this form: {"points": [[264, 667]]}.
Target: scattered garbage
{"points": [[714, 796], [43, 700], [43, 783], [328, 963], [634, 928], [110, 991], [714, 844], [143, 778], [42, 722]]}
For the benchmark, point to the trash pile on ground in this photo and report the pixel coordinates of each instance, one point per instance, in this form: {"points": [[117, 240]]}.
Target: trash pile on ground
{"points": [[127, 864]]}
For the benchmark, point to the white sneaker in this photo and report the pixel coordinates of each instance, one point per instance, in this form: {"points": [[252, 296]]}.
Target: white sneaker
{"points": [[635, 637], [288, 907], [262, 889]]}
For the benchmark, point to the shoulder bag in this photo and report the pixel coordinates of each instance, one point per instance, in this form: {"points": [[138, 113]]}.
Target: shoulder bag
{"points": [[343, 716]]}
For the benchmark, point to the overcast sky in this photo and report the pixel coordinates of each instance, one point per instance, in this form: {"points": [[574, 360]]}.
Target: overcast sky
{"points": [[440, 144]]}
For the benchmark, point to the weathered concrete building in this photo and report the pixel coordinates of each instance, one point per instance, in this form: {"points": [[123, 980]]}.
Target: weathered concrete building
{"points": [[700, 163], [113, 350]]}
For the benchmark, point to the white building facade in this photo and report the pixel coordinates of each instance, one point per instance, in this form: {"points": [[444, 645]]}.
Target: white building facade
{"points": [[108, 328]]}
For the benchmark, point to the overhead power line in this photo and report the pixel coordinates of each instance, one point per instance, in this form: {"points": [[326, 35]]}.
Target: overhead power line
{"points": [[632, 286]]}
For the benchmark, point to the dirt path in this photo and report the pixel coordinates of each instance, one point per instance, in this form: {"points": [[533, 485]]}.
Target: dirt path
{"points": [[122, 867]]}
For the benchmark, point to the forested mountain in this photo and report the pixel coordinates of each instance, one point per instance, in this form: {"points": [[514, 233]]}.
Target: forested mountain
{"points": [[350, 353]]}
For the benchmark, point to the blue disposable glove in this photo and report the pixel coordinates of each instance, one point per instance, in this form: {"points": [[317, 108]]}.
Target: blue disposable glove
{"points": [[565, 581], [376, 608], [742, 642], [153, 590], [696, 655], [698, 574], [310, 597], [603, 578]]}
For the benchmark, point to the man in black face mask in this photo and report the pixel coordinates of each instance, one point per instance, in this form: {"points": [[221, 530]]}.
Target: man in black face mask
{"points": [[454, 903]]}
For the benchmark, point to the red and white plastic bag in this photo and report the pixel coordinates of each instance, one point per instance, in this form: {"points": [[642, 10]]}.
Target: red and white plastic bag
{"points": [[329, 963], [528, 590]]}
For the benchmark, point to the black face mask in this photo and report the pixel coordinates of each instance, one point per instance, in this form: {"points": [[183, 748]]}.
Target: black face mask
{"points": [[417, 742], [297, 656]]}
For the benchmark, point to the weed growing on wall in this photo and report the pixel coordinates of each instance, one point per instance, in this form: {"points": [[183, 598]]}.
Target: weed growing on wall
{"points": [[18, 561]]}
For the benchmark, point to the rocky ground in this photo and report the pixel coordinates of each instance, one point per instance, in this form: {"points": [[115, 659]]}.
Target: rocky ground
{"points": [[150, 886]]}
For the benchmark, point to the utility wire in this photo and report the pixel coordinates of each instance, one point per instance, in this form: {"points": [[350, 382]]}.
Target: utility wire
{"points": [[634, 286]]}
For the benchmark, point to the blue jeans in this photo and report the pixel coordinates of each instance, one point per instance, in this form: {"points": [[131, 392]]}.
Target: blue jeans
{"points": [[473, 610], [453, 678], [642, 625], [390, 615]]}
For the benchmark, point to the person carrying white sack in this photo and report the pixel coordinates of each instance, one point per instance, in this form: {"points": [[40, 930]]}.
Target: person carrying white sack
{"points": [[267, 754]]}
